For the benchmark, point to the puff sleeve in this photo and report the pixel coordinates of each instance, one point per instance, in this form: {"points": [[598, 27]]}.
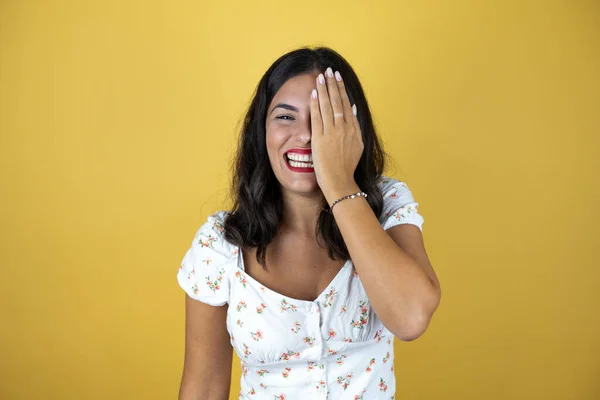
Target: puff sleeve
{"points": [[205, 270], [399, 206]]}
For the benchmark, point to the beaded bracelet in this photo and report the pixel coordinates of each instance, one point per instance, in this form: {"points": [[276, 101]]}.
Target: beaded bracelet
{"points": [[350, 196]]}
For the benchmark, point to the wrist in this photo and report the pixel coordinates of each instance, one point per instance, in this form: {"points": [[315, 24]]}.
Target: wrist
{"points": [[339, 191]]}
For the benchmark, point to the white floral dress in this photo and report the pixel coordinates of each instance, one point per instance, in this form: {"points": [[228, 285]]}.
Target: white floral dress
{"points": [[332, 348]]}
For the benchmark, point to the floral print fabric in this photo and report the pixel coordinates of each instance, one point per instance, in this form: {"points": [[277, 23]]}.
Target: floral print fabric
{"points": [[334, 347]]}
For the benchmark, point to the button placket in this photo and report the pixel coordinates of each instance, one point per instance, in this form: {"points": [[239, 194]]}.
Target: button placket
{"points": [[314, 330], [314, 325]]}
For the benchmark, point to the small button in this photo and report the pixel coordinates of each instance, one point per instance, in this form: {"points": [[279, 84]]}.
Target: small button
{"points": [[314, 308]]}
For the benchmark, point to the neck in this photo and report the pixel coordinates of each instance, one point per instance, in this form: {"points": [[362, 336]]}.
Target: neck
{"points": [[301, 212]]}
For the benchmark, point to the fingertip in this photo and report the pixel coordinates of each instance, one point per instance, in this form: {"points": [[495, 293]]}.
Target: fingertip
{"points": [[314, 93]]}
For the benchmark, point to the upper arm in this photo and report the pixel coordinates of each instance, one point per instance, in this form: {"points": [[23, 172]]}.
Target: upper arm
{"points": [[410, 239], [404, 224], [204, 275], [208, 352]]}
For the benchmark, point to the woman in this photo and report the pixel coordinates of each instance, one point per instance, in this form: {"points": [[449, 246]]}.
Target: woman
{"points": [[320, 263]]}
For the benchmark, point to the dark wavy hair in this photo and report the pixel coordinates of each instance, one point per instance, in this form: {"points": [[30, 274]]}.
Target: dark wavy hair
{"points": [[257, 200]]}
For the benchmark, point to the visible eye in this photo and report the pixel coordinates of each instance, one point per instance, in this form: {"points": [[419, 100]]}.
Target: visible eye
{"points": [[288, 116]]}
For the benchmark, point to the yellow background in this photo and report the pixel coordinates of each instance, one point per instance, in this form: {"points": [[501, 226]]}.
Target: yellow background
{"points": [[118, 122]]}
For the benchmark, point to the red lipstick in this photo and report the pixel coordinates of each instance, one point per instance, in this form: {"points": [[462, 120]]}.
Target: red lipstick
{"points": [[300, 151], [298, 169]]}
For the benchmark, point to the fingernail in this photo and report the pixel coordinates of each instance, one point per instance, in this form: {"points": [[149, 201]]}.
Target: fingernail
{"points": [[338, 76], [329, 72], [354, 109], [321, 79], [314, 93]]}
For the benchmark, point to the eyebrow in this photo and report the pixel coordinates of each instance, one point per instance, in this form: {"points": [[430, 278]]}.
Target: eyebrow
{"points": [[285, 106]]}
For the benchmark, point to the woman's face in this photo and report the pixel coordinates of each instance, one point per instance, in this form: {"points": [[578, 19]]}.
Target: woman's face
{"points": [[289, 134]]}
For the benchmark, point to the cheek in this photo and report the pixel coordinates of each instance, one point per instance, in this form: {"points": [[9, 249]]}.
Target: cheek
{"points": [[276, 139]]}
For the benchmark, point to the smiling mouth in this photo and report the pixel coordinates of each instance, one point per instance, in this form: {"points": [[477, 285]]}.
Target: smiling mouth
{"points": [[298, 166]]}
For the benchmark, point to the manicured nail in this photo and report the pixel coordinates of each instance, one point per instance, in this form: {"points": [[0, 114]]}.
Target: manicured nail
{"points": [[354, 109], [314, 93], [321, 79], [338, 76], [329, 72]]}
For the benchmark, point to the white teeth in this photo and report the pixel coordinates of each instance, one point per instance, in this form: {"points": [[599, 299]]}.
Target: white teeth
{"points": [[300, 157], [300, 164]]}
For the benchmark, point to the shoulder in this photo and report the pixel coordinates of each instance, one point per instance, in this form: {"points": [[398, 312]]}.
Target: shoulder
{"points": [[206, 266], [392, 188], [212, 232], [399, 204], [216, 221]]}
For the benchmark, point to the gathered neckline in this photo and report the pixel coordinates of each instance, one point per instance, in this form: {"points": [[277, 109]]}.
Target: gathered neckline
{"points": [[241, 267]]}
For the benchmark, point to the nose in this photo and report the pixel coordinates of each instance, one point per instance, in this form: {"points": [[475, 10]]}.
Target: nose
{"points": [[304, 133]]}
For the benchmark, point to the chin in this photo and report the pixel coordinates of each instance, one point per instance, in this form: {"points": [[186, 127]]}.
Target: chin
{"points": [[300, 184]]}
